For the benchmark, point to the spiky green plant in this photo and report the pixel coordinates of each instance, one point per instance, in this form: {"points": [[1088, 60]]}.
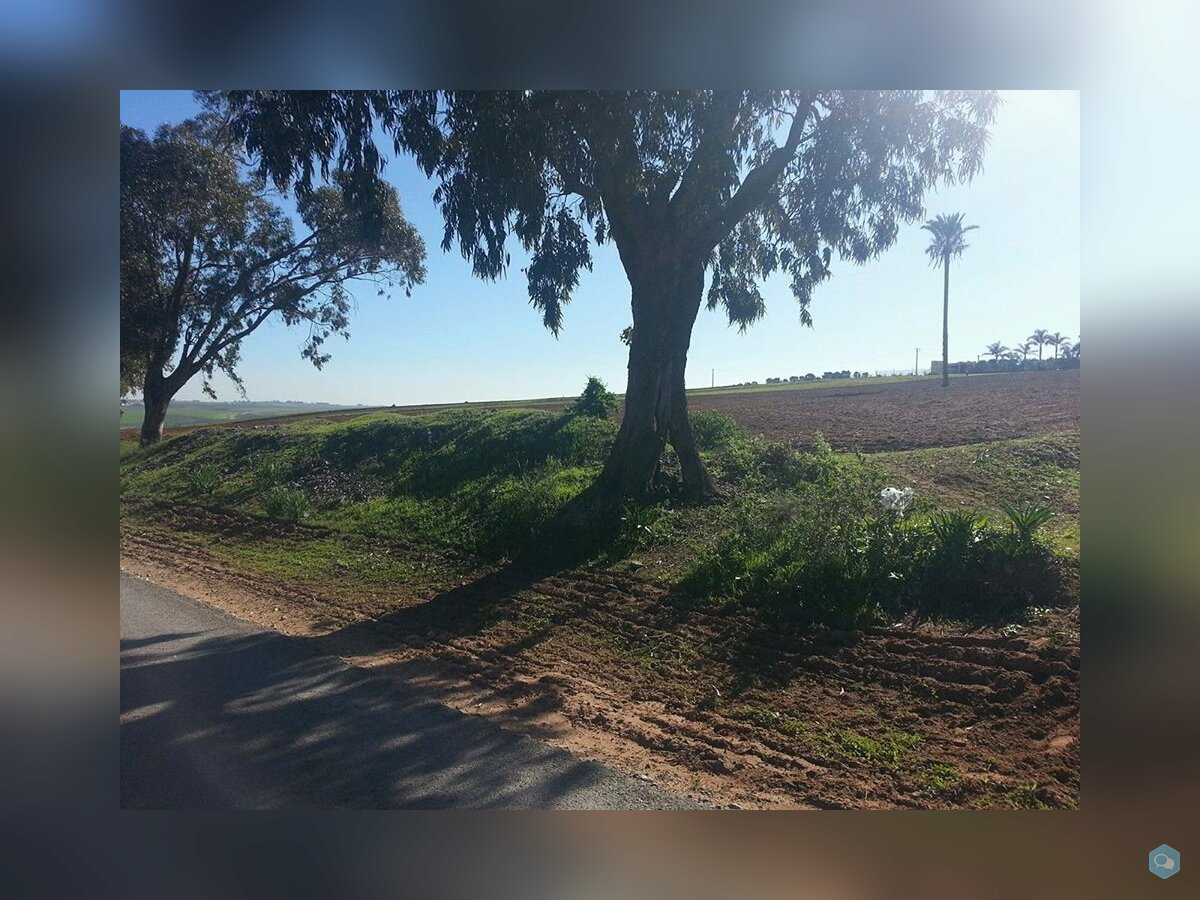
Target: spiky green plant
{"points": [[1026, 521]]}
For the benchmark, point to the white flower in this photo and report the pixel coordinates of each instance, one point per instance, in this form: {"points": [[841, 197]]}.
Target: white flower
{"points": [[896, 499]]}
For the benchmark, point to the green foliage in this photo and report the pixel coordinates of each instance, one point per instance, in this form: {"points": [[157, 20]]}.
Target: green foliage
{"points": [[824, 552], [641, 525], [760, 181], [203, 479], [801, 537], [715, 431], [596, 401], [286, 504], [207, 258], [955, 532], [802, 554], [1026, 522], [268, 473]]}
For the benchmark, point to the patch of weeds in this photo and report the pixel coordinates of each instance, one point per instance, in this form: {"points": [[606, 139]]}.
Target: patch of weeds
{"points": [[885, 751], [202, 480], [940, 778], [1024, 796], [286, 504]]}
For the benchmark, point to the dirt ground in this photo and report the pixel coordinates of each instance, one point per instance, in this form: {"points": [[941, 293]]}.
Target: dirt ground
{"points": [[620, 671], [907, 415]]}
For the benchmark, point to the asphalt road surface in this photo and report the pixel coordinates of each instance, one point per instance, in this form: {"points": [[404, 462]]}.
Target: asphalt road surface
{"points": [[218, 714]]}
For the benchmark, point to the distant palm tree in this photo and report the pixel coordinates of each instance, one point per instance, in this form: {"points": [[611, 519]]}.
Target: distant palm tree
{"points": [[947, 242], [1055, 340], [1014, 355], [1025, 347], [996, 350], [1063, 349], [1040, 337]]}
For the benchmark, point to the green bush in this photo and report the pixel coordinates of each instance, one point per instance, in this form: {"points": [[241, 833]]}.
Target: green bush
{"points": [[826, 552], [583, 441], [286, 504], [714, 431], [203, 479], [596, 400]]}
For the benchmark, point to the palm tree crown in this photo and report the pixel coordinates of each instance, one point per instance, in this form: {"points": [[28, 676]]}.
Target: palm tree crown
{"points": [[947, 241]]}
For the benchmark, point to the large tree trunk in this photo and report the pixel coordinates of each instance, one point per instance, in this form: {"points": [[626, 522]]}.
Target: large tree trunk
{"points": [[156, 397], [946, 325], [664, 311]]}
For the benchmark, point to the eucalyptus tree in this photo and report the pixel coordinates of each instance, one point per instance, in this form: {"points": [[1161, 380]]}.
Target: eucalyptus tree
{"points": [[206, 259], [704, 193], [947, 242]]}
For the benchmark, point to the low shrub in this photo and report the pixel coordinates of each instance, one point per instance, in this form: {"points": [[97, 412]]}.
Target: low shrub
{"points": [[596, 401], [268, 473], [203, 479], [837, 551], [286, 504], [714, 431]]}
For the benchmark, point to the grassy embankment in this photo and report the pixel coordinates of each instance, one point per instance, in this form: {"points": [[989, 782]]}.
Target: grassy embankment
{"points": [[800, 536]]}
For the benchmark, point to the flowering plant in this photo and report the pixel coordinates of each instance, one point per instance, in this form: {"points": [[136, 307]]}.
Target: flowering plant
{"points": [[895, 499]]}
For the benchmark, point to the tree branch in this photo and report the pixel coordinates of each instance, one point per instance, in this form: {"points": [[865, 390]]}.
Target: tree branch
{"points": [[753, 188]]}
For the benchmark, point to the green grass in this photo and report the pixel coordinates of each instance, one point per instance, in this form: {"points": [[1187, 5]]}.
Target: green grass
{"points": [[205, 412], [1041, 471], [800, 535]]}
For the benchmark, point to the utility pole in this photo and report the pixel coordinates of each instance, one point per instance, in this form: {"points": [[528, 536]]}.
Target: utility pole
{"points": [[917, 362], [714, 377]]}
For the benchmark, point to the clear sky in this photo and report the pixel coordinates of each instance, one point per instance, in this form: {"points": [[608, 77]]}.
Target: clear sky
{"points": [[459, 338]]}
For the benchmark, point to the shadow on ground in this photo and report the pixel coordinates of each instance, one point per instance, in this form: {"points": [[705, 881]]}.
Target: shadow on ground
{"points": [[256, 720]]}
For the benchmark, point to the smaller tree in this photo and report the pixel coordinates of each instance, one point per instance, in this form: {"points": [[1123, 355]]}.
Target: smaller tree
{"points": [[996, 351], [596, 401], [1056, 341], [206, 259]]}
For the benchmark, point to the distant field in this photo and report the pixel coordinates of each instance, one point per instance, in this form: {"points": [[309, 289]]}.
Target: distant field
{"points": [[202, 412], [194, 413], [872, 414]]}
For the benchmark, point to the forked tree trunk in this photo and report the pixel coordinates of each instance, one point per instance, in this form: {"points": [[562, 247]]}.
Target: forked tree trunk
{"points": [[664, 311], [157, 391], [156, 415]]}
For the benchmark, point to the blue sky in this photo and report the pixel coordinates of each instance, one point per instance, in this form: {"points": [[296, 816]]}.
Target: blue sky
{"points": [[459, 338]]}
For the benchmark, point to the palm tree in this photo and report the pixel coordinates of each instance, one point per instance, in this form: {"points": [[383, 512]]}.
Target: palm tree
{"points": [[1025, 347], [947, 242], [1041, 338], [1055, 340], [996, 350]]}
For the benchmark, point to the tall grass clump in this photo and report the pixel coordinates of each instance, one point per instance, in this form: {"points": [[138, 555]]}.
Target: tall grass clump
{"points": [[202, 480], [286, 504]]}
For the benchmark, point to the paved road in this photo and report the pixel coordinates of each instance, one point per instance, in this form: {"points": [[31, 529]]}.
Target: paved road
{"points": [[216, 713]]}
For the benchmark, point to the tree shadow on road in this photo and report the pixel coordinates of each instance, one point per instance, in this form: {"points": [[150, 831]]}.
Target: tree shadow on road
{"points": [[264, 720]]}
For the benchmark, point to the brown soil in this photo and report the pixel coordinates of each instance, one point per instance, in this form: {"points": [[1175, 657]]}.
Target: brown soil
{"points": [[708, 704], [908, 415]]}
